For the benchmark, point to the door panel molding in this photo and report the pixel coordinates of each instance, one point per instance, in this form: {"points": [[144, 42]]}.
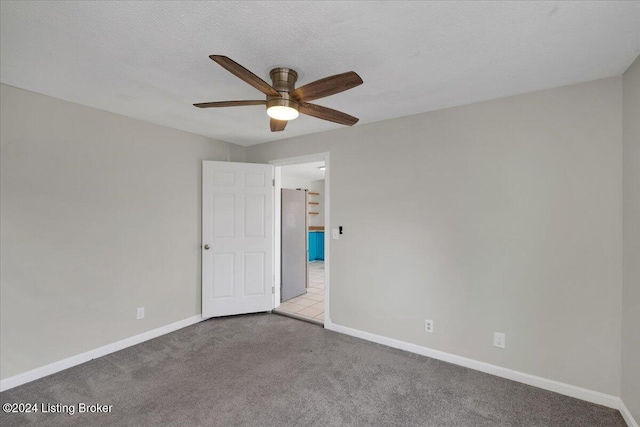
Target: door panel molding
{"points": [[237, 238]]}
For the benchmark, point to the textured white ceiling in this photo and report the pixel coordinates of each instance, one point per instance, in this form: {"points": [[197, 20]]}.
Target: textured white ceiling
{"points": [[149, 60]]}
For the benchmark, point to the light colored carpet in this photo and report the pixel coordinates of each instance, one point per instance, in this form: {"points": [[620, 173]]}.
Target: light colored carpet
{"points": [[268, 370]]}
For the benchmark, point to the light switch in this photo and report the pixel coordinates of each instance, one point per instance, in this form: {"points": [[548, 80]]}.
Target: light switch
{"points": [[335, 234]]}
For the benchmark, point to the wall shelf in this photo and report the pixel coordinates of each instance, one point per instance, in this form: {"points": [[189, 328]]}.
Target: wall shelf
{"points": [[314, 205]]}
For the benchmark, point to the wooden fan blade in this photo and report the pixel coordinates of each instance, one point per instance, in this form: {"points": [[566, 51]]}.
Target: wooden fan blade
{"points": [[229, 104], [327, 86], [329, 114], [278, 125], [244, 74]]}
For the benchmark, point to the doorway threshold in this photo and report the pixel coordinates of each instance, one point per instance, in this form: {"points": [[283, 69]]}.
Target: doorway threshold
{"points": [[297, 317]]}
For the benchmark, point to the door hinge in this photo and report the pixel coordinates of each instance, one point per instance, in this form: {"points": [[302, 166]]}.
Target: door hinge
{"points": [[273, 289], [273, 182]]}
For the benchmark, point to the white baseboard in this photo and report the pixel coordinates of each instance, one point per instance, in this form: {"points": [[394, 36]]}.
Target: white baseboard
{"points": [[543, 383], [628, 418], [546, 384], [78, 359]]}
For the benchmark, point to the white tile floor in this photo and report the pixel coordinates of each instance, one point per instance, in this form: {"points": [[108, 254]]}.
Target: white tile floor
{"points": [[309, 306]]}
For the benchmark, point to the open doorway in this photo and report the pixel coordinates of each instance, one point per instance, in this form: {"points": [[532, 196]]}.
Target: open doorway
{"points": [[301, 221]]}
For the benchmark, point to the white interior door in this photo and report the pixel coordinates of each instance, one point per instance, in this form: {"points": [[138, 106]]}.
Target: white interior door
{"points": [[237, 238]]}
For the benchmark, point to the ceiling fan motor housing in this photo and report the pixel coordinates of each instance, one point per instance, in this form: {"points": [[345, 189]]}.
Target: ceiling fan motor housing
{"points": [[284, 80]]}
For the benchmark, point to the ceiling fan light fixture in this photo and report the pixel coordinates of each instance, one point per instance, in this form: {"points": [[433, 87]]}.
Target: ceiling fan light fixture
{"points": [[282, 107], [284, 101], [282, 112]]}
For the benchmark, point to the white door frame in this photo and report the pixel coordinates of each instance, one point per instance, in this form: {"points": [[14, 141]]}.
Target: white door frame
{"points": [[327, 226]]}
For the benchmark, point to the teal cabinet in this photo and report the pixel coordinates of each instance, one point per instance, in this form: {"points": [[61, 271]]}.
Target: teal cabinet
{"points": [[312, 246], [320, 246], [316, 246]]}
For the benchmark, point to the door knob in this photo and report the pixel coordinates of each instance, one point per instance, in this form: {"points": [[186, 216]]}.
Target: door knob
{"points": [[207, 247]]}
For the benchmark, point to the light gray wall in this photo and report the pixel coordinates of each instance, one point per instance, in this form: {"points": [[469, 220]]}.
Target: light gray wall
{"points": [[500, 216], [293, 182], [631, 233], [100, 214]]}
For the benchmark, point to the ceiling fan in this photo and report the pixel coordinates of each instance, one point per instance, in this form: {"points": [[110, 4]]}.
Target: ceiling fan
{"points": [[284, 102]]}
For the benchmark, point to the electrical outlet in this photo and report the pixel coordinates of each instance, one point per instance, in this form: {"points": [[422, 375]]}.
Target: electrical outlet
{"points": [[335, 234], [499, 340], [428, 326], [140, 313]]}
